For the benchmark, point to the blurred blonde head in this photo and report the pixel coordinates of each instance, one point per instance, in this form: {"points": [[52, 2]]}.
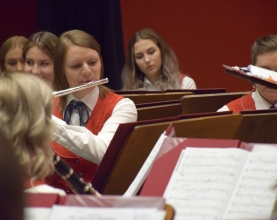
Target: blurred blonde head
{"points": [[25, 118]]}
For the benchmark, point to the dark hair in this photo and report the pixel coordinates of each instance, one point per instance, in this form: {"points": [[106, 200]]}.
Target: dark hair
{"points": [[11, 183]]}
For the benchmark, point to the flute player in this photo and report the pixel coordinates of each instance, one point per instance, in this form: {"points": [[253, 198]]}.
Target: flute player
{"points": [[86, 120]]}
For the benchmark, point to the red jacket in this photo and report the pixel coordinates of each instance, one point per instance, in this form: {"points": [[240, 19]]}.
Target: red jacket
{"points": [[246, 102], [84, 168]]}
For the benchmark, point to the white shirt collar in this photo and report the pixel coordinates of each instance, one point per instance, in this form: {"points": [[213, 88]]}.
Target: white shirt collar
{"points": [[148, 85], [260, 102], [90, 99]]}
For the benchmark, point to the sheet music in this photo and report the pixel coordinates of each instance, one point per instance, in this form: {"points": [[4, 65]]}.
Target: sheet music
{"points": [[37, 213], [202, 182], [145, 169], [253, 197], [263, 73], [259, 147], [77, 213]]}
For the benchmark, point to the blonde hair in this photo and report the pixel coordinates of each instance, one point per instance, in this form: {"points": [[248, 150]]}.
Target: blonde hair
{"points": [[25, 118], [9, 44], [133, 77], [82, 39]]}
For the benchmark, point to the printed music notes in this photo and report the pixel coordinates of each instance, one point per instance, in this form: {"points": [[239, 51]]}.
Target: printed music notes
{"points": [[214, 183]]}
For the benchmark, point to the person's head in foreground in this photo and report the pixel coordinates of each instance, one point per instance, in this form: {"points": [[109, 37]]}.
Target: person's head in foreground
{"points": [[25, 118]]}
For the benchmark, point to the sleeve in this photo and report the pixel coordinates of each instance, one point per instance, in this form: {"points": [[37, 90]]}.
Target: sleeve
{"points": [[84, 143], [223, 109], [188, 83]]}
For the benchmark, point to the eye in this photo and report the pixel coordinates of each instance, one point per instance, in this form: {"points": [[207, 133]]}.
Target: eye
{"points": [[44, 63], [12, 63], [138, 56], [29, 62], [76, 66], [92, 63], [151, 51]]}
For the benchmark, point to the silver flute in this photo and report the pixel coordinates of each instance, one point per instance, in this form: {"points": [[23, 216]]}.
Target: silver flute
{"points": [[77, 88]]}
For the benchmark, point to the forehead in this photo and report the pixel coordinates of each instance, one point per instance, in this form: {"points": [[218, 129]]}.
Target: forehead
{"points": [[14, 53], [74, 51], [143, 45], [36, 53], [268, 60]]}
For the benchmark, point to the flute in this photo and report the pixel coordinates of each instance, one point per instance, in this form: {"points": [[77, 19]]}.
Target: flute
{"points": [[77, 88], [78, 185]]}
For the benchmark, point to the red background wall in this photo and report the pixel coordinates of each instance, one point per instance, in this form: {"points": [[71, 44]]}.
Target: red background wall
{"points": [[205, 34], [18, 18]]}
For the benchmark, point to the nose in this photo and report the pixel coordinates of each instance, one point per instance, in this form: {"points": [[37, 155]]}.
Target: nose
{"points": [[86, 69], [19, 67], [35, 70], [146, 59]]}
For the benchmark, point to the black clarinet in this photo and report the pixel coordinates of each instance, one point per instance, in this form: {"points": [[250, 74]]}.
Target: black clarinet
{"points": [[78, 185]]}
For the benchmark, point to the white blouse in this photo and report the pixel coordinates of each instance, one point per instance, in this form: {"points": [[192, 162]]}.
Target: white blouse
{"points": [[187, 83], [83, 142]]}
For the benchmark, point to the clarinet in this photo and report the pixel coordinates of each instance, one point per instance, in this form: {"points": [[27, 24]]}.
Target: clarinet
{"points": [[78, 185]]}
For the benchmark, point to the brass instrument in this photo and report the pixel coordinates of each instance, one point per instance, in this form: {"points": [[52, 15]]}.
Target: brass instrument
{"points": [[78, 88]]}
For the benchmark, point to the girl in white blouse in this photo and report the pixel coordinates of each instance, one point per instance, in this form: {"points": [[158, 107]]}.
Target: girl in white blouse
{"points": [[86, 120], [152, 65]]}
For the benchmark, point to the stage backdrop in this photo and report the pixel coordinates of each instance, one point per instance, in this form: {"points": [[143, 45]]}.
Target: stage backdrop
{"points": [[204, 34], [100, 18]]}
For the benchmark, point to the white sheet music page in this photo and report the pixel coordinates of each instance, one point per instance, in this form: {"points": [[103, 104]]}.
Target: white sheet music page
{"points": [[253, 197], [202, 182], [36, 213], [77, 213]]}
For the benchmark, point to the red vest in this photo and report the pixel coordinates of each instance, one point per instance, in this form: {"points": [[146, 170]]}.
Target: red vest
{"points": [[246, 102], [84, 168]]}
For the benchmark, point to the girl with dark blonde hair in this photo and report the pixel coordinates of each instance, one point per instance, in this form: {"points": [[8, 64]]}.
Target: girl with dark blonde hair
{"points": [[11, 54], [86, 120], [152, 65], [38, 54]]}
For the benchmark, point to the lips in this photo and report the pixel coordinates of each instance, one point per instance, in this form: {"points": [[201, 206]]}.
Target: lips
{"points": [[86, 81], [150, 66]]}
